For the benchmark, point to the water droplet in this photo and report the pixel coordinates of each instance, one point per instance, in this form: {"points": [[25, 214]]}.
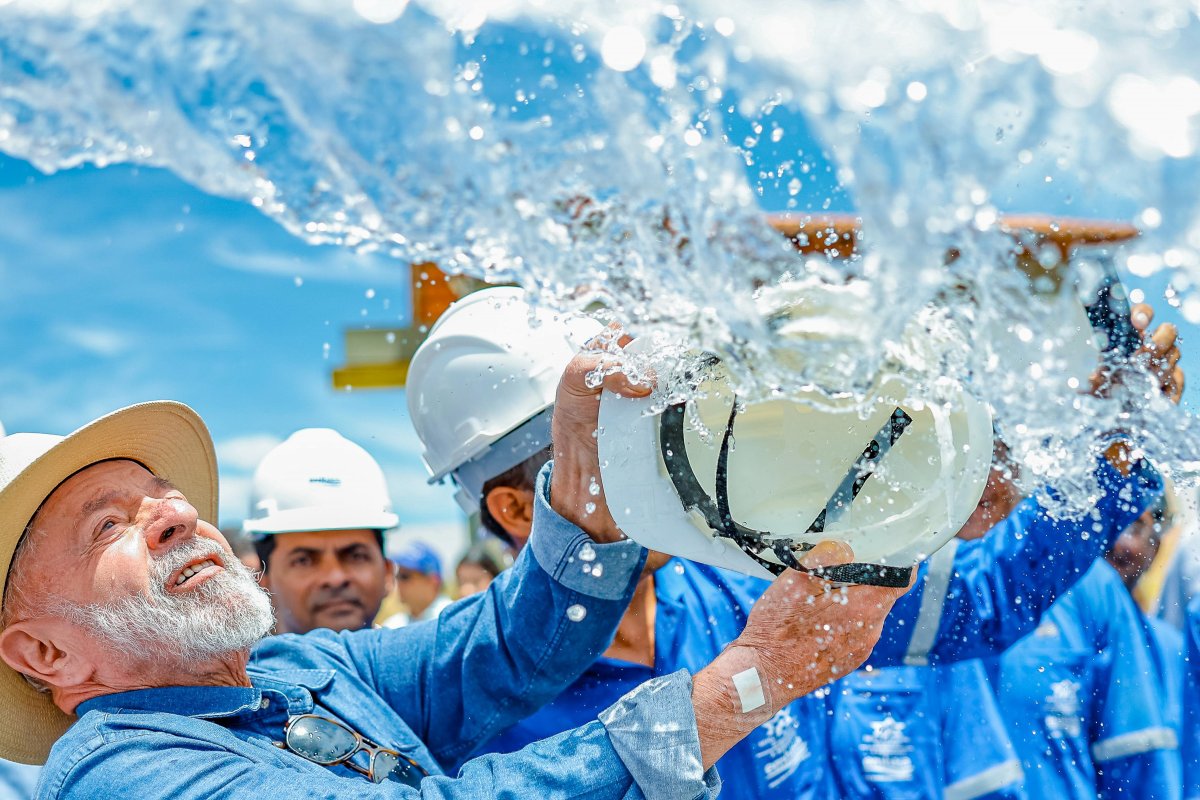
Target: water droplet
{"points": [[587, 552], [576, 613]]}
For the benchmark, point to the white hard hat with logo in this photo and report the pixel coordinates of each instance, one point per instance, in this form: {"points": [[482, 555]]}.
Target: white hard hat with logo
{"points": [[318, 480], [481, 386], [751, 486]]}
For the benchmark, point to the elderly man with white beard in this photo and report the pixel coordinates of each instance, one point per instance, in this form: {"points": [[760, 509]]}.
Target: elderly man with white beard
{"points": [[134, 659]]}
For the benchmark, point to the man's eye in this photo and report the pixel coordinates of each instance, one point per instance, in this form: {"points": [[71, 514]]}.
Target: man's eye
{"points": [[107, 525], [301, 561]]}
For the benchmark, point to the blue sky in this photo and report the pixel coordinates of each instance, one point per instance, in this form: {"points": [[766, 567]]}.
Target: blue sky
{"points": [[125, 284]]}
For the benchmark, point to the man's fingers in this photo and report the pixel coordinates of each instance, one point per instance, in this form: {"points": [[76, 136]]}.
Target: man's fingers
{"points": [[828, 554], [603, 340], [1164, 338], [580, 377], [619, 383], [1141, 315]]}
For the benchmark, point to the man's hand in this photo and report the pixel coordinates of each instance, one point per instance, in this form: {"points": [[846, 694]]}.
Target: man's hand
{"points": [[1159, 354], [802, 633], [576, 489]]}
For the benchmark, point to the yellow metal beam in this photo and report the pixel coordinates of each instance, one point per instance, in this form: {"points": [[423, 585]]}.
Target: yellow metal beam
{"points": [[371, 376]]}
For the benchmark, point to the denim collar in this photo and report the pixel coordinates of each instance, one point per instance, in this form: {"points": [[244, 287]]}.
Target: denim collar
{"points": [[292, 688]]}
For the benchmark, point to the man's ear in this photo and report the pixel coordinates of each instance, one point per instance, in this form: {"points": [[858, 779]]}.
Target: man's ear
{"points": [[30, 648], [389, 580], [513, 509]]}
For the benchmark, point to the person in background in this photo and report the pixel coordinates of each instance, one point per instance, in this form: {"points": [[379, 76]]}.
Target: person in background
{"points": [[964, 605], [1181, 582], [1131, 557], [1083, 693], [418, 584], [319, 510], [1190, 746], [480, 565]]}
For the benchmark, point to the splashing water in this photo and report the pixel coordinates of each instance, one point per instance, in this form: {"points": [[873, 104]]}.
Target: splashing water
{"points": [[588, 151]]}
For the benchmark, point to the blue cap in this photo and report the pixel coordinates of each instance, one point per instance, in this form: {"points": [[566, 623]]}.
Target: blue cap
{"points": [[418, 557]]}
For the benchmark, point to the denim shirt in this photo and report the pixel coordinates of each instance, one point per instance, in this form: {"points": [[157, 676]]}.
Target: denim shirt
{"points": [[434, 690]]}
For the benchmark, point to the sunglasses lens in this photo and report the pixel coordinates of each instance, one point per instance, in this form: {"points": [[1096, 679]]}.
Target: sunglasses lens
{"points": [[389, 767], [320, 740]]}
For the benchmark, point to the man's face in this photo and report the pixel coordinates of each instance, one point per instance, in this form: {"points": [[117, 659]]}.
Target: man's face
{"points": [[1135, 548], [327, 579], [416, 589], [472, 579], [120, 555]]}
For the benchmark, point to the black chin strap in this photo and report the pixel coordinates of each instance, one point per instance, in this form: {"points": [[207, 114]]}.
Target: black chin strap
{"points": [[754, 542]]}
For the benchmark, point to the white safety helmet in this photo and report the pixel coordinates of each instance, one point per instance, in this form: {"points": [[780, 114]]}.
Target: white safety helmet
{"points": [[482, 384], [752, 486], [318, 480]]}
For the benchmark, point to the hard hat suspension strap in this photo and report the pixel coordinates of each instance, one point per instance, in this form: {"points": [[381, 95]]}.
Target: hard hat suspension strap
{"points": [[753, 542]]}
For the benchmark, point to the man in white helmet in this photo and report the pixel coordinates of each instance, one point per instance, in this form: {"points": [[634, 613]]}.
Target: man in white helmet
{"points": [[476, 401], [319, 509]]}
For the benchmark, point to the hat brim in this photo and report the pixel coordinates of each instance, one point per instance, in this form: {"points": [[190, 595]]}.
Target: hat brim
{"points": [[167, 438]]}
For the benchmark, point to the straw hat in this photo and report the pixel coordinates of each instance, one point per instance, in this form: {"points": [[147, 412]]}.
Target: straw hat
{"points": [[167, 438]]}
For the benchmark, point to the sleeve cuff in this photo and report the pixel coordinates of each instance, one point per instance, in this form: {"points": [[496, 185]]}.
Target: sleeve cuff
{"points": [[653, 730], [569, 555]]}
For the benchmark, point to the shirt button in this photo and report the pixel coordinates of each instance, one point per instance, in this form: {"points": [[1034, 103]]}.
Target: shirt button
{"points": [[265, 704]]}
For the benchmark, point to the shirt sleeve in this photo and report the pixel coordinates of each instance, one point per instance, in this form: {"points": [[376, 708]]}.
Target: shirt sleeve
{"points": [[980, 759], [1135, 752], [492, 659], [644, 747], [976, 598], [1191, 703]]}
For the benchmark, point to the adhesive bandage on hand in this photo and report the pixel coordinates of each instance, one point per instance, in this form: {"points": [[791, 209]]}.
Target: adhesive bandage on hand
{"points": [[750, 691]]}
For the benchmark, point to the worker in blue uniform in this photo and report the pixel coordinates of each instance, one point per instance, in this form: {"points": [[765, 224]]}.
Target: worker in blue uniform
{"points": [[971, 600], [698, 610], [1190, 746], [1131, 556], [1082, 699]]}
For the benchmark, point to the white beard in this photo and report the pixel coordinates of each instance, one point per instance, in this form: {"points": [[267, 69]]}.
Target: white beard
{"points": [[229, 613]]}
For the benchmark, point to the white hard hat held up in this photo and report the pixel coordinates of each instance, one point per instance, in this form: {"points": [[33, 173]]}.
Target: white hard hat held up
{"points": [[318, 480], [481, 386], [751, 486]]}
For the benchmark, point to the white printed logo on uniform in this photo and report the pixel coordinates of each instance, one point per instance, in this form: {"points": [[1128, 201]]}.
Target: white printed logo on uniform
{"points": [[782, 747], [885, 752], [1063, 719]]}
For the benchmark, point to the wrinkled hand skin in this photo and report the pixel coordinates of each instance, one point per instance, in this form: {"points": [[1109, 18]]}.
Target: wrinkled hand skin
{"points": [[573, 431], [802, 633], [808, 632]]}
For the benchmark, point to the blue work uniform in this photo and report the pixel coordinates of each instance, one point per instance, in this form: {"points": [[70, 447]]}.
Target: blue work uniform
{"points": [[1081, 697], [1190, 746], [975, 598], [920, 733], [955, 612], [1167, 649], [433, 690], [700, 609], [17, 780]]}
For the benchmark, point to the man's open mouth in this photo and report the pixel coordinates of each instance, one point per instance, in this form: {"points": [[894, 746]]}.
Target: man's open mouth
{"points": [[196, 571]]}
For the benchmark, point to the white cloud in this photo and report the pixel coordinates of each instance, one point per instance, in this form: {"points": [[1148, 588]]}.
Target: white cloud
{"points": [[242, 453], [105, 342], [235, 499]]}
